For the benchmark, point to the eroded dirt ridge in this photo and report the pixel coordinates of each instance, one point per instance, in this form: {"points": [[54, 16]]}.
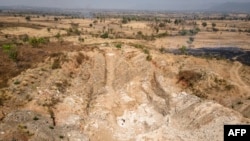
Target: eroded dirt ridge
{"points": [[109, 94]]}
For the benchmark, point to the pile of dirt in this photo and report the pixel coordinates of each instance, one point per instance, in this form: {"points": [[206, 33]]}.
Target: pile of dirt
{"points": [[105, 93]]}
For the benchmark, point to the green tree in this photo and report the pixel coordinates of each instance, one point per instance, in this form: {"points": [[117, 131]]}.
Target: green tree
{"points": [[204, 24]]}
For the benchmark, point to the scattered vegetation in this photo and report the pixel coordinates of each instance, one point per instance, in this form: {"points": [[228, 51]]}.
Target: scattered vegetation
{"points": [[162, 50], [35, 42], [58, 35], [73, 30], [35, 118], [105, 35], [61, 136], [190, 32], [149, 57], [239, 102], [213, 25], [56, 64], [11, 50], [118, 45], [24, 37], [188, 77], [80, 39], [56, 19], [162, 25], [27, 18], [204, 24], [161, 35], [183, 50], [17, 82]]}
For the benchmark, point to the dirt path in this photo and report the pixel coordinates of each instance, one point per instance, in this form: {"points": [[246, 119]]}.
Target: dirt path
{"points": [[236, 78]]}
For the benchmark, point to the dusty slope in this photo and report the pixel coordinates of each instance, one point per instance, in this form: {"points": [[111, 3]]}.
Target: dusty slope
{"points": [[109, 94]]}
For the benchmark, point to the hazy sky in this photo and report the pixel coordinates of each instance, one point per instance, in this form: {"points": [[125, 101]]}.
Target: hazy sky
{"points": [[120, 4]]}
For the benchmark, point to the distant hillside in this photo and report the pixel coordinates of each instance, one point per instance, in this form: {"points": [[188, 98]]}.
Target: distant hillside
{"points": [[232, 7]]}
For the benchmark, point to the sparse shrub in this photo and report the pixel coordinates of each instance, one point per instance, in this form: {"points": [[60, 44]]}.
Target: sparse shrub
{"points": [[215, 29], [188, 77], [183, 49], [27, 18], [11, 50], [17, 82], [162, 25], [139, 33], [80, 39], [183, 32], [191, 32], [213, 25], [73, 31], [48, 29], [56, 19], [105, 35], [162, 34], [138, 46], [58, 35], [146, 51], [156, 29], [56, 64], [61, 137], [35, 42], [90, 25], [194, 31], [149, 57], [35, 118], [191, 39], [74, 25], [229, 87], [79, 58], [124, 20], [239, 102], [177, 21], [204, 24], [162, 50], [24, 37], [119, 45]]}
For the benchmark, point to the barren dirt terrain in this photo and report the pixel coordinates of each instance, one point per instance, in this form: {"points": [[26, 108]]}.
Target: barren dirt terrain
{"points": [[114, 79]]}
